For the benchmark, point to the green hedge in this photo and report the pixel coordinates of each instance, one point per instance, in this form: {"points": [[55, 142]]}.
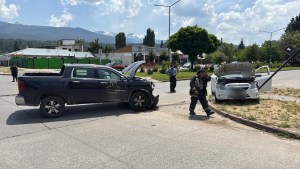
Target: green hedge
{"points": [[52, 63]]}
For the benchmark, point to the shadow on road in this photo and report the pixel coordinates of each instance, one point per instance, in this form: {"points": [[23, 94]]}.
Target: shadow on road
{"points": [[31, 116], [199, 117]]}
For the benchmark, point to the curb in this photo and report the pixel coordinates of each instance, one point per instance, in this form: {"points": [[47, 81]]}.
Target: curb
{"points": [[256, 125]]}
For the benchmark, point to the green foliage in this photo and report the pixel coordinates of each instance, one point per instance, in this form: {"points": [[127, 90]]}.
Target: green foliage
{"points": [[16, 47], [252, 53], [149, 71], [164, 67], [293, 25], [291, 39], [151, 56], [164, 56], [175, 57], [217, 57], [193, 40], [120, 40], [229, 51], [196, 68], [241, 46], [94, 46], [149, 39], [108, 48]]}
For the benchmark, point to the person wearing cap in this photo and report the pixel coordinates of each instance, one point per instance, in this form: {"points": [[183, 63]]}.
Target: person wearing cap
{"points": [[172, 72], [198, 91]]}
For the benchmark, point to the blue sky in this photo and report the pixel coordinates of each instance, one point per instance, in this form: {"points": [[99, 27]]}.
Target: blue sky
{"points": [[231, 20]]}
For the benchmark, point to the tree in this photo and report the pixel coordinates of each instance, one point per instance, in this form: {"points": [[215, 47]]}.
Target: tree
{"points": [[149, 39], [152, 56], [16, 47], [80, 42], [293, 25], [175, 57], [217, 57], [229, 51], [252, 53], [193, 40], [291, 39], [94, 46], [164, 56], [120, 40], [108, 48], [269, 52], [161, 44], [241, 45]]}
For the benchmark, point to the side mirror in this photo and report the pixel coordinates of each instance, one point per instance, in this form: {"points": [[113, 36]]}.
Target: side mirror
{"points": [[123, 78]]}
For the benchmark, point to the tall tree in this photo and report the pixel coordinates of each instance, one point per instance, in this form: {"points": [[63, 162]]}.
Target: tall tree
{"points": [[16, 47], [94, 46], [149, 39], [293, 25], [80, 42], [161, 44], [252, 53], [193, 40], [120, 40], [229, 51], [241, 45]]}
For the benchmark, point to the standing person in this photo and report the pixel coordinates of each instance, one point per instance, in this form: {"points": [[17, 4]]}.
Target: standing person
{"points": [[172, 72], [14, 72], [198, 91]]}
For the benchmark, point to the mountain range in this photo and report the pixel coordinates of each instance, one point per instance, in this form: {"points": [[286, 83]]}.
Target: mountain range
{"points": [[48, 33]]}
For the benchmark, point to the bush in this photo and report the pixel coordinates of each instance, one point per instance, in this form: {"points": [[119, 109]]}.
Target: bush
{"points": [[149, 71], [163, 71], [211, 68], [155, 69], [196, 68]]}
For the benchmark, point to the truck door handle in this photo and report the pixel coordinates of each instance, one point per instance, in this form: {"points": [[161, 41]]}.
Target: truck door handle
{"points": [[104, 82], [75, 81]]}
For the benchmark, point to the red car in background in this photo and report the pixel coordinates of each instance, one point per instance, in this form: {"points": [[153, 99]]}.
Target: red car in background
{"points": [[117, 66]]}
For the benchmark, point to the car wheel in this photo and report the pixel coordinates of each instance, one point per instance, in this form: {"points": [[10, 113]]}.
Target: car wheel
{"points": [[216, 99], [139, 101], [52, 106]]}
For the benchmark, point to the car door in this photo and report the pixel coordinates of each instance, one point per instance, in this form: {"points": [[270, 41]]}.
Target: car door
{"points": [[84, 86], [113, 85], [261, 75]]}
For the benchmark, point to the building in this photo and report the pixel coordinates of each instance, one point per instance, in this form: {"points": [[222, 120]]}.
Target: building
{"points": [[132, 53], [69, 44], [52, 53]]}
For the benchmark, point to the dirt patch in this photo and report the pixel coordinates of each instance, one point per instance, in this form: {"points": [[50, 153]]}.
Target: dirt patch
{"points": [[285, 92], [276, 113]]}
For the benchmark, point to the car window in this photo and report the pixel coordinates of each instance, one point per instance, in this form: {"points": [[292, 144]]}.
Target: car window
{"points": [[84, 73], [108, 74]]}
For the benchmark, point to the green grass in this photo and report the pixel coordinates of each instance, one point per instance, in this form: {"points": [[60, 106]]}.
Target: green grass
{"points": [[164, 77], [285, 68]]}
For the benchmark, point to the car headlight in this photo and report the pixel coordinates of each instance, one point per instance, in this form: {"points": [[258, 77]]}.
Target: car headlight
{"points": [[220, 86]]}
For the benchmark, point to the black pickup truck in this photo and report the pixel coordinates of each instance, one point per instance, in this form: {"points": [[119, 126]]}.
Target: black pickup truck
{"points": [[85, 83]]}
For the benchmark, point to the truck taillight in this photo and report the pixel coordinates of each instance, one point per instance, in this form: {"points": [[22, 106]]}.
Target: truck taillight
{"points": [[21, 85]]}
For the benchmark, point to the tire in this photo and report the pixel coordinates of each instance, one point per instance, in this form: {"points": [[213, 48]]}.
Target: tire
{"points": [[52, 106], [217, 100], [139, 101]]}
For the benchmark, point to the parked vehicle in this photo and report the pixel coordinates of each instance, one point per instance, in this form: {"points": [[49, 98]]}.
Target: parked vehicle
{"points": [[186, 66], [239, 81], [117, 66], [85, 83]]}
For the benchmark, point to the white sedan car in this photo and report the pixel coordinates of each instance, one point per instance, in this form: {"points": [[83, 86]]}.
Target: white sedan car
{"points": [[239, 81]]}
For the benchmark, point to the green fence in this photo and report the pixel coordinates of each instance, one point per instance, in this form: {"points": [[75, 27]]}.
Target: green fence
{"points": [[52, 63]]}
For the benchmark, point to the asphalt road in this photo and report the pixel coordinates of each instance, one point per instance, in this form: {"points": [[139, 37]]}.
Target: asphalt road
{"points": [[113, 136]]}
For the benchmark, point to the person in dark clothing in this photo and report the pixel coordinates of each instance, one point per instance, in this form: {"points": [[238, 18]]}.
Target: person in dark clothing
{"points": [[198, 91], [172, 72], [14, 72]]}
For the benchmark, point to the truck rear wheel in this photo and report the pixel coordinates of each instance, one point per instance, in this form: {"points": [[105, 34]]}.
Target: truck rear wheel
{"points": [[139, 101], [52, 106]]}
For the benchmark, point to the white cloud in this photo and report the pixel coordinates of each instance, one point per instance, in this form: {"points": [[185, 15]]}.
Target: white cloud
{"points": [[127, 8], [264, 15], [77, 2], [62, 20], [235, 7], [8, 11]]}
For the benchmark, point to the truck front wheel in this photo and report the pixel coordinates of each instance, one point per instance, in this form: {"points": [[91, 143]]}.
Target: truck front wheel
{"points": [[52, 106], [139, 101]]}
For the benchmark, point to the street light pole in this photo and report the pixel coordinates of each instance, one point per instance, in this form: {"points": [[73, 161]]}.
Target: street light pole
{"points": [[270, 46], [168, 6]]}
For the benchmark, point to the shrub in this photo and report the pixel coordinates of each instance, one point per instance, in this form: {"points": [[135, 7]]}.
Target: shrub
{"points": [[149, 71], [196, 68]]}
